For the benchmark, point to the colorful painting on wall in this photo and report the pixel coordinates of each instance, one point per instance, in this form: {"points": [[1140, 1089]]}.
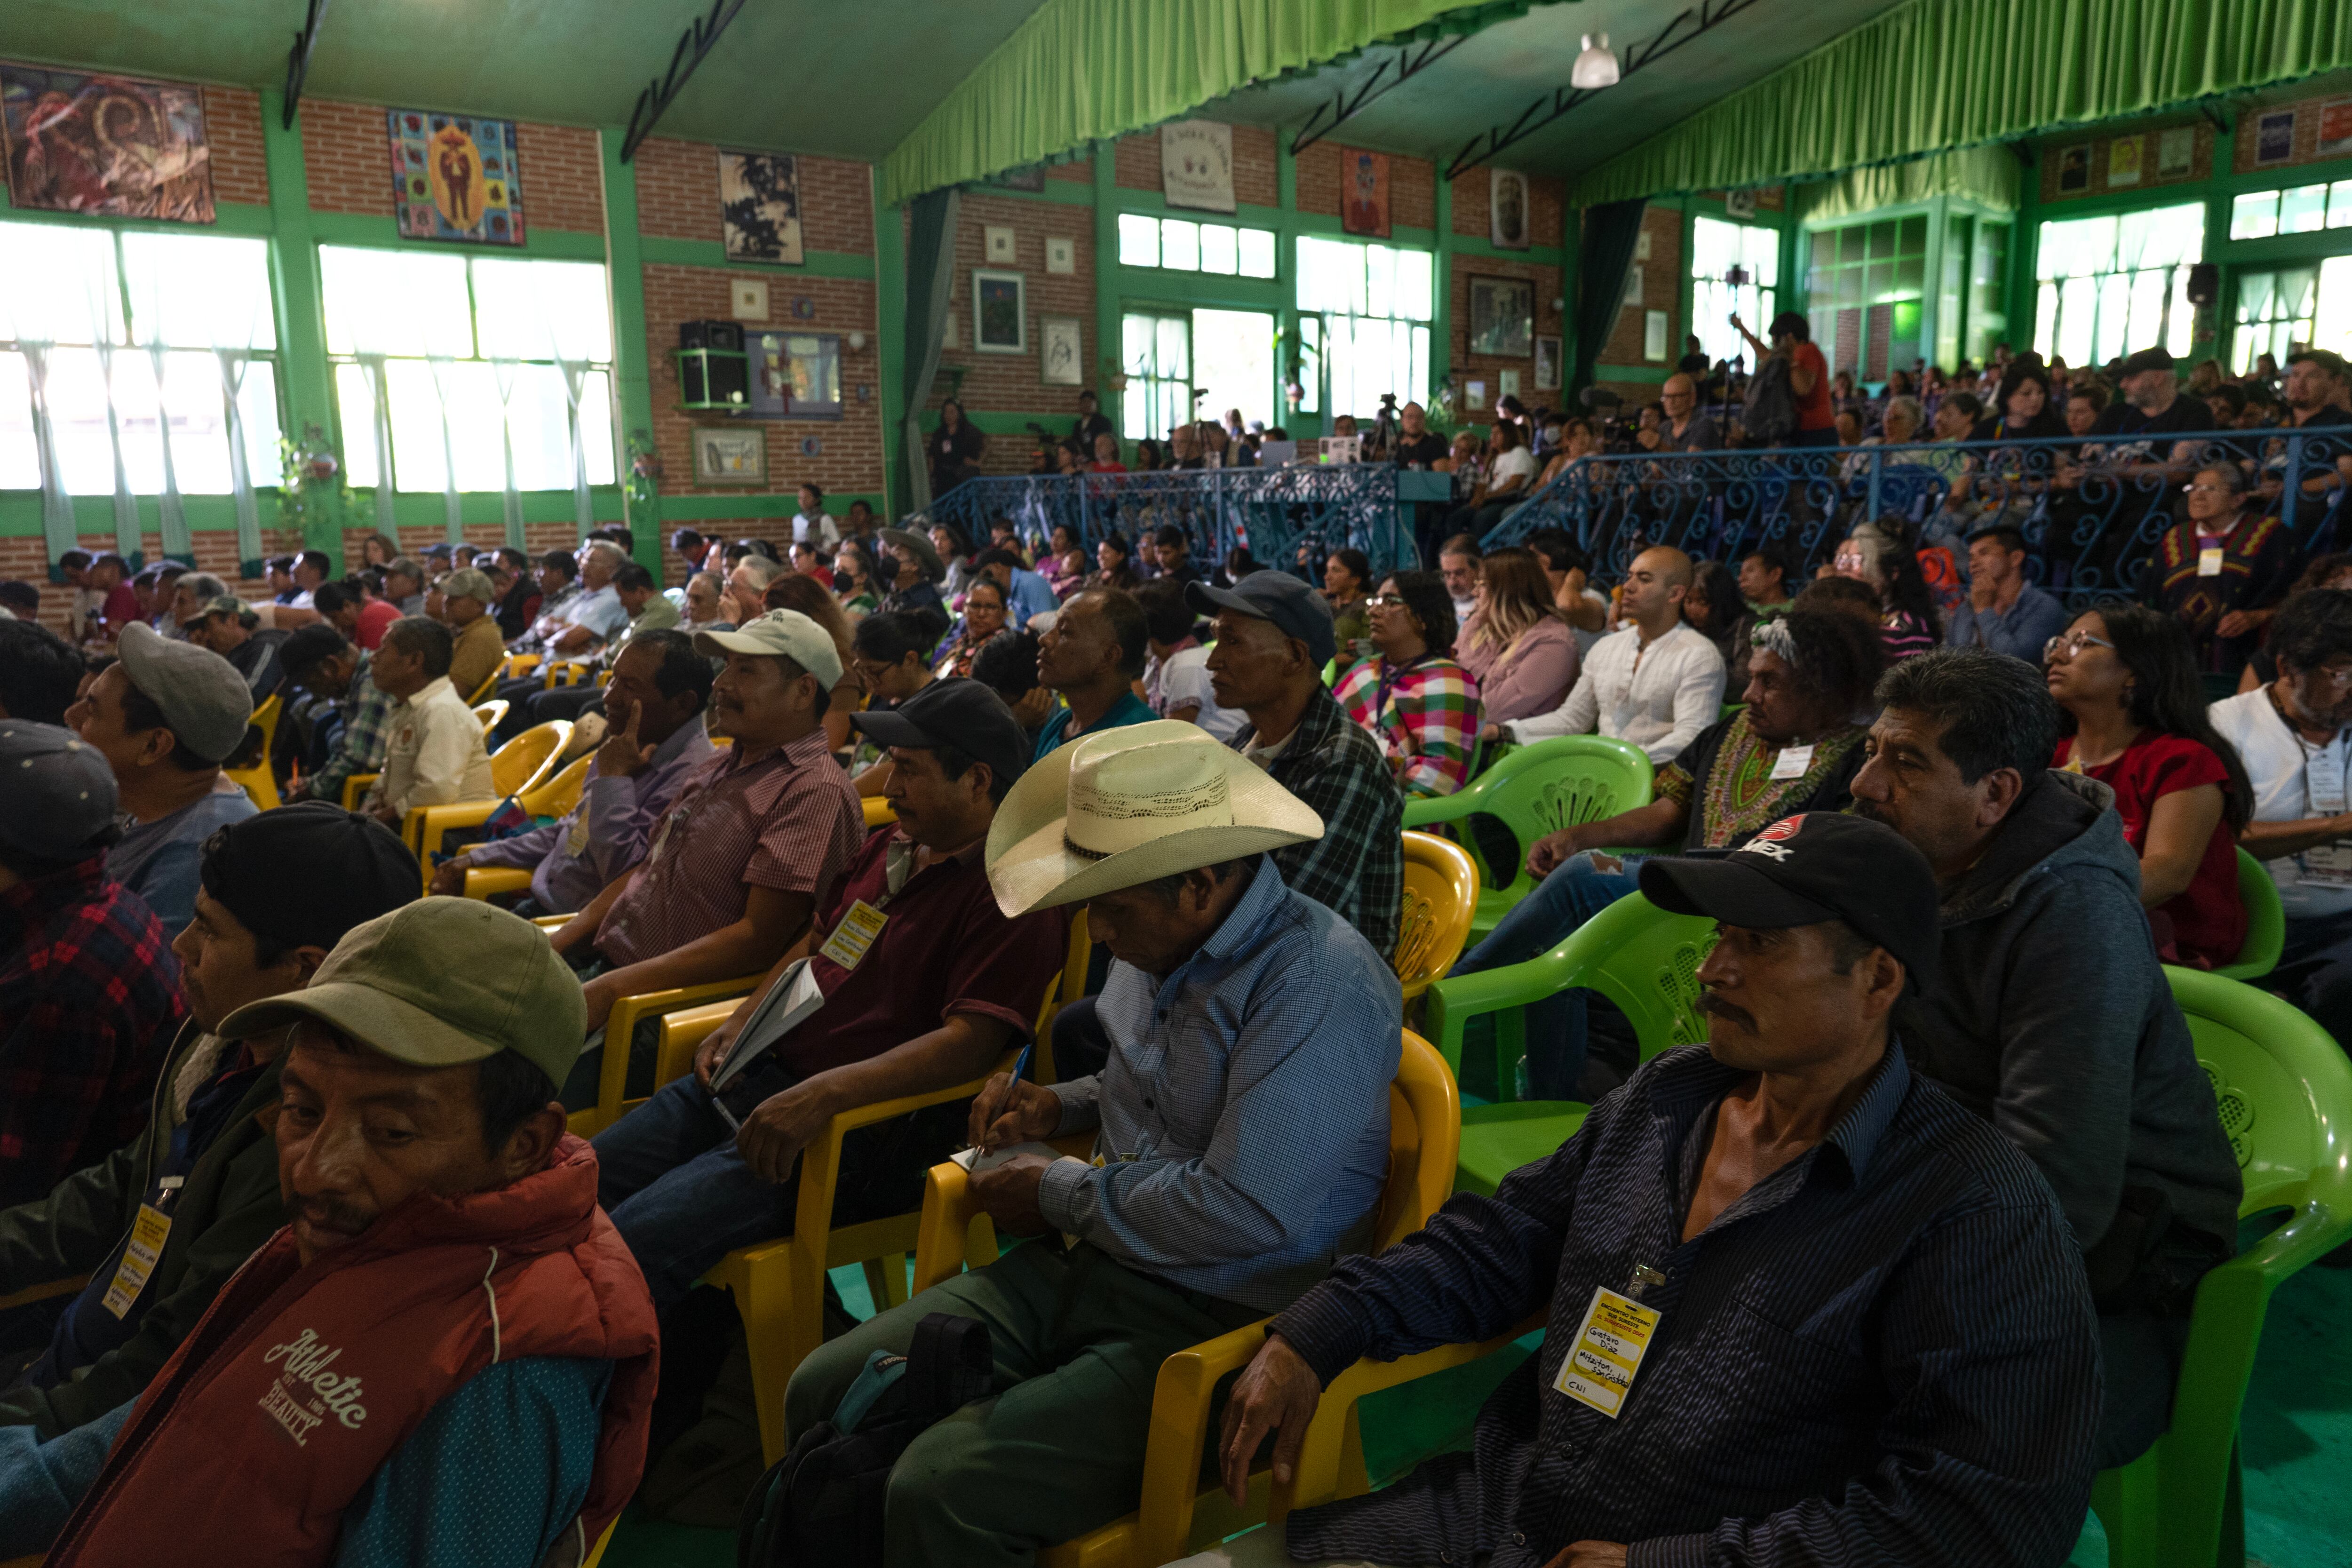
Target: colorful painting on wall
{"points": [[1364, 192], [759, 207], [455, 177], [108, 145]]}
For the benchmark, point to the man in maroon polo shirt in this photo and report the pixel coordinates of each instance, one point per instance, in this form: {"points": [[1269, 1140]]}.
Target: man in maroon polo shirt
{"points": [[926, 983]]}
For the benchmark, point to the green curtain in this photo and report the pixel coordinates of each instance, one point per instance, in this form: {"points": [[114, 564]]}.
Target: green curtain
{"points": [[931, 274], [1604, 253], [1943, 74], [1986, 175], [1078, 70]]}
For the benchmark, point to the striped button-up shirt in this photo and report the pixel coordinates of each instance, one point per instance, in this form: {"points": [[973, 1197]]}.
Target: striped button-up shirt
{"points": [[1425, 717], [1244, 1115], [607, 830], [1885, 1351], [1357, 867], [366, 710]]}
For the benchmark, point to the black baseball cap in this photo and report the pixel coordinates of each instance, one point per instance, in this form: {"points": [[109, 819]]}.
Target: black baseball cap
{"points": [[957, 713], [1802, 870], [2157, 358], [1275, 596], [303, 874]]}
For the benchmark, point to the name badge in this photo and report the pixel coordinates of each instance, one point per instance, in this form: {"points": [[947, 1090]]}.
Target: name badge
{"points": [[2323, 781], [577, 839], [858, 931], [1606, 1351], [2209, 561], [139, 1256], [1792, 762]]}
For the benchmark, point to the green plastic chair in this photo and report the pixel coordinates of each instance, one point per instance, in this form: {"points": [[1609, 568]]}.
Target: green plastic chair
{"points": [[2266, 922], [2285, 1095], [1636, 954], [1533, 791]]}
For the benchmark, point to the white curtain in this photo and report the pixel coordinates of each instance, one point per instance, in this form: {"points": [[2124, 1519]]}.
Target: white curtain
{"points": [[505, 371], [583, 509], [174, 515], [240, 476], [57, 506], [444, 370], [386, 523]]}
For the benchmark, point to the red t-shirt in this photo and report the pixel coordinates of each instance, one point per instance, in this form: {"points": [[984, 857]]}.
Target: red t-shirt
{"points": [[1813, 411], [122, 608], [374, 616], [2209, 920]]}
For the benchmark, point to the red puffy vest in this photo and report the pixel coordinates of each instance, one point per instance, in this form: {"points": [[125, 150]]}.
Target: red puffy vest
{"points": [[300, 1383]]}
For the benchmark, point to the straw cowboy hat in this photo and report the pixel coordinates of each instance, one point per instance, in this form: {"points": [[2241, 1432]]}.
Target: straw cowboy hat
{"points": [[1126, 806]]}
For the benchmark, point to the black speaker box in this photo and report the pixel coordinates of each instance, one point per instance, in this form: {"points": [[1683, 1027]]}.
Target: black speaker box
{"points": [[2204, 283], [726, 335], [705, 377]]}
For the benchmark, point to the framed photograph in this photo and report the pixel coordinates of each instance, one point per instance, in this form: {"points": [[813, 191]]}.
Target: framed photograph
{"points": [[1547, 365], [1502, 317], [453, 177], [1002, 248], [1060, 352], [795, 376], [747, 299], [729, 457], [1632, 286], [1739, 204], [999, 312], [1653, 335], [2175, 150], [1364, 192], [2274, 137], [759, 207], [1061, 255], [1474, 394], [1508, 383], [1506, 213], [2075, 168], [2123, 159], [109, 144], [1032, 178], [1641, 245], [2334, 128]]}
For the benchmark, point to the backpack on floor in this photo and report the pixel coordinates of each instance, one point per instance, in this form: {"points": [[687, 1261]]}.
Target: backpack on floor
{"points": [[820, 1506]]}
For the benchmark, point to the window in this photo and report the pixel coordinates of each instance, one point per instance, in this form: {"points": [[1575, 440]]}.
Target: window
{"points": [[1180, 245], [149, 351], [483, 373], [2113, 285], [1865, 294], [1157, 353], [2275, 313], [2300, 209], [1375, 305], [1717, 248]]}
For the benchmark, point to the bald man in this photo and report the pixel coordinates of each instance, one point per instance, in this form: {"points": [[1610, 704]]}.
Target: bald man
{"points": [[1655, 684], [1686, 429]]}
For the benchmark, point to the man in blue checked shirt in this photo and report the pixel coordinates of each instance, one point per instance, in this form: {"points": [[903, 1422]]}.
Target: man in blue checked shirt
{"points": [[1802, 1307], [1241, 1139]]}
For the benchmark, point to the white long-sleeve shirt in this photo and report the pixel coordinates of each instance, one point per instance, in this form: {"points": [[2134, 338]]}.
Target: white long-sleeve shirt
{"points": [[1658, 698], [432, 752]]}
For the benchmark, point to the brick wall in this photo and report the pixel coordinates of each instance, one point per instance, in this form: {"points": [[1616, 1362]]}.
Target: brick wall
{"points": [[233, 131], [2052, 162], [1080, 169], [347, 155], [1412, 192], [562, 178], [1256, 180], [1012, 384], [25, 558], [2306, 133], [1474, 196]]}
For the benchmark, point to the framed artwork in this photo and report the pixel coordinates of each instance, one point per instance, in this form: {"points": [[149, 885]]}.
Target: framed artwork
{"points": [[2123, 159], [1032, 178], [453, 177], [116, 145], [1474, 394], [1641, 245], [1502, 317], [1060, 360], [723, 456], [795, 376], [1364, 192], [2334, 128], [1506, 213], [759, 207], [2175, 150], [1653, 335], [2075, 167], [1061, 255], [1196, 165], [1739, 204], [2274, 137], [1002, 247], [1632, 286], [999, 312], [1547, 365], [1509, 384], [747, 299]]}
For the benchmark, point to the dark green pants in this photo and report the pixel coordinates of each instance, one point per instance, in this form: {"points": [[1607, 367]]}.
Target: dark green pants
{"points": [[1078, 1340]]}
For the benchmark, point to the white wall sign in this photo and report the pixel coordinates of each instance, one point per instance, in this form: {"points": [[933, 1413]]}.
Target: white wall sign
{"points": [[1196, 165]]}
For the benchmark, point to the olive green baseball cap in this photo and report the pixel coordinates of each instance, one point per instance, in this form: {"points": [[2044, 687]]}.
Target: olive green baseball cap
{"points": [[436, 983]]}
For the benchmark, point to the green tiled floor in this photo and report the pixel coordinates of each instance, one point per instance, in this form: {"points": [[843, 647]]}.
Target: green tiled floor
{"points": [[2297, 1427]]}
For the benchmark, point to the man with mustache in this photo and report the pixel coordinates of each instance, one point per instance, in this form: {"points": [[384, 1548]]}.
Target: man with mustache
{"points": [[1802, 1307]]}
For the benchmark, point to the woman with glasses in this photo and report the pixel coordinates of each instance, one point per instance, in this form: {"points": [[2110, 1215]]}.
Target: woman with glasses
{"points": [[889, 654], [1412, 697], [1876, 555], [2222, 571], [2127, 678], [982, 618]]}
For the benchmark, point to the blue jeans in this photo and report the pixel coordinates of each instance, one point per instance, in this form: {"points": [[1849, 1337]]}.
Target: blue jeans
{"points": [[1561, 902], [2314, 971], [682, 1198]]}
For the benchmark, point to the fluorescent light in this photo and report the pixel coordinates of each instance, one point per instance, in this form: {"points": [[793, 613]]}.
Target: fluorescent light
{"points": [[1596, 66]]}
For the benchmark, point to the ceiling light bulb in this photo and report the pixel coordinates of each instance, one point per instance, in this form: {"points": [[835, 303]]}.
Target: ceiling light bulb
{"points": [[1596, 66]]}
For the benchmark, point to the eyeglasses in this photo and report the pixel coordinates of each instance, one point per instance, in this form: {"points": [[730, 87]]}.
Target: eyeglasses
{"points": [[2071, 643], [2211, 489], [1389, 601], [1846, 558]]}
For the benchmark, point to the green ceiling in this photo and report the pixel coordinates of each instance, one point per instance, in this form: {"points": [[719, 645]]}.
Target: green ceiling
{"points": [[790, 73]]}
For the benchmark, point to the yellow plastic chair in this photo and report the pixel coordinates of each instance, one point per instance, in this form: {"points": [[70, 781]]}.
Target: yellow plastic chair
{"points": [[515, 767], [517, 665], [1176, 1515], [551, 797], [621, 1025], [355, 789], [878, 812], [491, 712], [259, 780], [482, 692], [1441, 894]]}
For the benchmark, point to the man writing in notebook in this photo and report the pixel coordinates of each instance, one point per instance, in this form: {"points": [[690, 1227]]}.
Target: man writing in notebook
{"points": [[926, 983]]}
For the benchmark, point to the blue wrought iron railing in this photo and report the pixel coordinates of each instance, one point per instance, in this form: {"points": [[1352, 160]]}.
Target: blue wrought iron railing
{"points": [[1272, 511], [2092, 509]]}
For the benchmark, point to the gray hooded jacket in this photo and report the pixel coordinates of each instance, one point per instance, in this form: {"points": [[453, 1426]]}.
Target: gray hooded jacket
{"points": [[2052, 1018]]}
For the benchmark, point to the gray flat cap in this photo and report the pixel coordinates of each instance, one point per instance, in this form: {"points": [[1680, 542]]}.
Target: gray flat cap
{"points": [[57, 793], [203, 699]]}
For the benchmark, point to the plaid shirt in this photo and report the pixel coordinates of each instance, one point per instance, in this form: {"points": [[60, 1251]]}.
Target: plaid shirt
{"points": [[1426, 716], [90, 998], [367, 719], [1356, 868]]}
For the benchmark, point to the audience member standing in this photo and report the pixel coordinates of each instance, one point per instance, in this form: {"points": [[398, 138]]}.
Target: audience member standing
{"points": [[1414, 698], [2127, 680], [2313, 394], [1655, 684], [1809, 375], [163, 716], [432, 750], [2003, 612], [1092, 656], [89, 989]]}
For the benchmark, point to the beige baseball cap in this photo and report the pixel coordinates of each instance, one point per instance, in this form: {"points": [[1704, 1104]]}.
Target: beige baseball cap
{"points": [[440, 983], [779, 634], [470, 583]]}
